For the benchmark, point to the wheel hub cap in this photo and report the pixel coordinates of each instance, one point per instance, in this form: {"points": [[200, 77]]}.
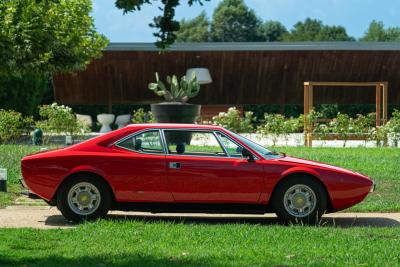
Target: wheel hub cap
{"points": [[300, 200], [84, 198]]}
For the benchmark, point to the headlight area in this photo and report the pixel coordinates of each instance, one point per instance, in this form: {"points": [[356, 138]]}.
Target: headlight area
{"points": [[373, 187]]}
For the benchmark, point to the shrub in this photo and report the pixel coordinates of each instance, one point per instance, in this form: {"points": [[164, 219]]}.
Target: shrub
{"points": [[379, 135], [58, 119], [312, 119], [342, 125], [141, 116], [24, 93], [233, 121], [362, 125], [13, 125], [393, 127], [274, 125]]}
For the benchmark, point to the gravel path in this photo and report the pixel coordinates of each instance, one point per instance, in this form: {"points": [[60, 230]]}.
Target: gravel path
{"points": [[44, 217]]}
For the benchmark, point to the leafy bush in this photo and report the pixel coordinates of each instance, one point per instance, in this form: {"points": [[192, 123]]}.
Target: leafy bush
{"points": [[13, 125], [233, 121], [24, 93], [343, 126], [141, 116], [312, 119], [276, 125], [393, 127], [58, 119]]}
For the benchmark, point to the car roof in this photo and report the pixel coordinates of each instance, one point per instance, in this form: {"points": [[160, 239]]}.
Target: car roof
{"points": [[174, 126]]}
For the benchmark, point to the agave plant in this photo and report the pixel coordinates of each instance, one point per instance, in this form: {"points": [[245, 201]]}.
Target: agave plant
{"points": [[180, 91]]}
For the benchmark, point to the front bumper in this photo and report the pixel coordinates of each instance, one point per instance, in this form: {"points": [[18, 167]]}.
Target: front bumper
{"points": [[373, 187]]}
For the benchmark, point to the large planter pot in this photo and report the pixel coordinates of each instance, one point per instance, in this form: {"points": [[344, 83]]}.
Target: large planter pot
{"points": [[176, 113]]}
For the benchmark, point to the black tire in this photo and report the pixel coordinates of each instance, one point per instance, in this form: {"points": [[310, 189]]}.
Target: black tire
{"points": [[105, 198], [284, 216]]}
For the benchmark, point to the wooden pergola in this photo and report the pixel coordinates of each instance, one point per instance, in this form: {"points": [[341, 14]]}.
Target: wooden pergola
{"points": [[381, 94]]}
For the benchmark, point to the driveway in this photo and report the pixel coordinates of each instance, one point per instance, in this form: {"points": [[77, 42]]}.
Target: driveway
{"points": [[44, 217]]}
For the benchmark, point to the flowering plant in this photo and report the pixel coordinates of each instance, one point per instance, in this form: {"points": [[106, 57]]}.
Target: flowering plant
{"points": [[233, 121], [59, 119]]}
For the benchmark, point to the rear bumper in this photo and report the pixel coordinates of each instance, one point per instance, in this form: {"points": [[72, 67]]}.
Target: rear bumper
{"points": [[26, 190]]}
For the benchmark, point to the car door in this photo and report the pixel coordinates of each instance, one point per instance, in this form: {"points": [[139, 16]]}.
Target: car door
{"points": [[139, 169], [199, 169]]}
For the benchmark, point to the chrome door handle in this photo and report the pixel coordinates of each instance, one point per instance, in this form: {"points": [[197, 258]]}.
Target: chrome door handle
{"points": [[174, 165]]}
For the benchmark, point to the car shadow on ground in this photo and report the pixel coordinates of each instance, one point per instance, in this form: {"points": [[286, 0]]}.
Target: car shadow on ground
{"points": [[343, 222]]}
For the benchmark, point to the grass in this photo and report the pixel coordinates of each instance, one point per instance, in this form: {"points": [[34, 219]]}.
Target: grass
{"points": [[163, 243], [10, 157], [379, 163]]}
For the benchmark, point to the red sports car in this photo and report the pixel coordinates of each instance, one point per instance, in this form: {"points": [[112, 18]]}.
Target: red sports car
{"points": [[187, 168]]}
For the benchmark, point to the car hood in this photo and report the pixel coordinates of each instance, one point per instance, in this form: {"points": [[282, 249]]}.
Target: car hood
{"points": [[312, 163]]}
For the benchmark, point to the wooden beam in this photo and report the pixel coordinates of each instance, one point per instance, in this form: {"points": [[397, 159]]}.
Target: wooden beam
{"points": [[306, 112], [310, 107], [385, 102], [381, 91], [343, 83], [378, 90]]}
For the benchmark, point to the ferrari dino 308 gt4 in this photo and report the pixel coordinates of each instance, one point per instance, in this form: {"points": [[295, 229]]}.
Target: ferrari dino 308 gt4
{"points": [[187, 168]]}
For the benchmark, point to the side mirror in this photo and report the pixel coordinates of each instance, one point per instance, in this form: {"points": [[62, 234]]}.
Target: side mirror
{"points": [[248, 155]]}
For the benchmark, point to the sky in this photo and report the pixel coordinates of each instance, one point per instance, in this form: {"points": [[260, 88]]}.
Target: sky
{"points": [[354, 15]]}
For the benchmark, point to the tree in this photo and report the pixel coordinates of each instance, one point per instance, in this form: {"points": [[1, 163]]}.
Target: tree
{"points": [[165, 23], [333, 33], [39, 38], [272, 31], [377, 32], [233, 21], [23, 93], [47, 36], [194, 30], [314, 30]]}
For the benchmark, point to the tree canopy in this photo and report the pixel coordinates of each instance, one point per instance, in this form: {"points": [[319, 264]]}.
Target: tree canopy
{"points": [[47, 36], [315, 30], [166, 24], [272, 31], [377, 32], [194, 30], [233, 21]]}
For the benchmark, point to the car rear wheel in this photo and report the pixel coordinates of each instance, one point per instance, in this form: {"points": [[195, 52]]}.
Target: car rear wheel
{"points": [[84, 197], [299, 199]]}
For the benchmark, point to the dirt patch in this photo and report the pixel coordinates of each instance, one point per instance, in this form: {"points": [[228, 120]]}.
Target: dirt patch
{"points": [[44, 217]]}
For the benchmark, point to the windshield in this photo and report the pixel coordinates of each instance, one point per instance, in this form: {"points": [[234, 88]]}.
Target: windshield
{"points": [[266, 153]]}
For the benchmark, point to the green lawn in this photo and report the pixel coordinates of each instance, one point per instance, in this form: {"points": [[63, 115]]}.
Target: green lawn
{"points": [[382, 164], [163, 243]]}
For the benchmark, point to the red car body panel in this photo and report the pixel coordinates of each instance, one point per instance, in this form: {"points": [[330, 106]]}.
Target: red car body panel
{"points": [[138, 177]]}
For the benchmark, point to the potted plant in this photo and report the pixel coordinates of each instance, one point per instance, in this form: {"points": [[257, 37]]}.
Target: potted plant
{"points": [[175, 109]]}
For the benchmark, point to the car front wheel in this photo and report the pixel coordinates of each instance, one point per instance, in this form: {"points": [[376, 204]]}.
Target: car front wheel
{"points": [[84, 198], [299, 199]]}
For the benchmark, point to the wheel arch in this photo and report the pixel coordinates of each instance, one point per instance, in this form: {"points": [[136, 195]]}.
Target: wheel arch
{"points": [[293, 174], [87, 173]]}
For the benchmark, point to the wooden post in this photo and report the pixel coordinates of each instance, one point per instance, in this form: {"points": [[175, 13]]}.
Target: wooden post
{"points": [[378, 104], [306, 112], [310, 108], [384, 102]]}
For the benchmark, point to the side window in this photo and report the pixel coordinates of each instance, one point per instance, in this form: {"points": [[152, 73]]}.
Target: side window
{"points": [[147, 142], [196, 143], [231, 147]]}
